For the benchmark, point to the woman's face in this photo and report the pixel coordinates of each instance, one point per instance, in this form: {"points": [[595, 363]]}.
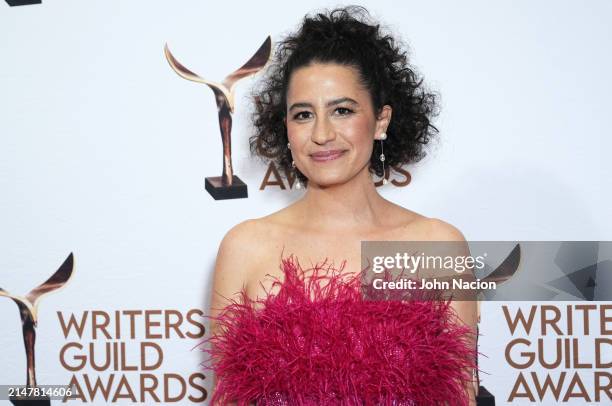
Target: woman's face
{"points": [[331, 123]]}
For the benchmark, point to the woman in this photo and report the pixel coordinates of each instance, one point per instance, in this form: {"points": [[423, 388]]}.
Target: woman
{"points": [[339, 104]]}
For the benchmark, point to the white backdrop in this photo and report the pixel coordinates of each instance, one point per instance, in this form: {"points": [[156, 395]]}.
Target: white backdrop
{"points": [[104, 150]]}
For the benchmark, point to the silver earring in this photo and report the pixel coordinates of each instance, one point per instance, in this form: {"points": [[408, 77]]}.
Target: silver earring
{"points": [[298, 185], [383, 136]]}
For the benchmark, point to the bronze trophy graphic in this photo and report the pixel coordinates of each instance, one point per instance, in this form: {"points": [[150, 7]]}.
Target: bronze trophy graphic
{"points": [[228, 185], [28, 310]]}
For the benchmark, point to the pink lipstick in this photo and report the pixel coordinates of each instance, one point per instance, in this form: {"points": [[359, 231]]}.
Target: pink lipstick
{"points": [[329, 155]]}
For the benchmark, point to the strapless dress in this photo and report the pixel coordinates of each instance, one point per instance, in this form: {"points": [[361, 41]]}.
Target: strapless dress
{"points": [[328, 339]]}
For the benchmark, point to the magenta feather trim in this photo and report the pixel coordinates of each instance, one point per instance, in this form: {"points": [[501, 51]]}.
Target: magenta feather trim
{"points": [[319, 342]]}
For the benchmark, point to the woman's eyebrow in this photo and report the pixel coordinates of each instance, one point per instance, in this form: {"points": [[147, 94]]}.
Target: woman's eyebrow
{"points": [[328, 104], [341, 100]]}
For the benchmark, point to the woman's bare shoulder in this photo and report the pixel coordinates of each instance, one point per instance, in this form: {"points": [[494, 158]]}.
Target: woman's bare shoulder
{"points": [[434, 229], [416, 226], [240, 252], [244, 238], [243, 231], [251, 238]]}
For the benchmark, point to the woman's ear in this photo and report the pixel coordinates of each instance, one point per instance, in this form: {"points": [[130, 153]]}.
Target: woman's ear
{"points": [[383, 119]]}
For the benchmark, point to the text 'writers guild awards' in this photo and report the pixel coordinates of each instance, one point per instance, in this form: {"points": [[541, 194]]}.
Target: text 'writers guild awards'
{"points": [[228, 185], [28, 310]]}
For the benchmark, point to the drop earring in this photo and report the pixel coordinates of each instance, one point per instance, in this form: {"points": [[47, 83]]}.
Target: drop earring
{"points": [[383, 136], [298, 185]]}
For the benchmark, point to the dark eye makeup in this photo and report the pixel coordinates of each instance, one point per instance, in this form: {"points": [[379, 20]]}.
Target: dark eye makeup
{"points": [[345, 111], [300, 115], [303, 115]]}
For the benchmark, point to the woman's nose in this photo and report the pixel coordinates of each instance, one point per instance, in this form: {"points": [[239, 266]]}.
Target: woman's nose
{"points": [[322, 131]]}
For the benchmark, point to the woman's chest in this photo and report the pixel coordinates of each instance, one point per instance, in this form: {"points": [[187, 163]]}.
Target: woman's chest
{"points": [[341, 251], [326, 253]]}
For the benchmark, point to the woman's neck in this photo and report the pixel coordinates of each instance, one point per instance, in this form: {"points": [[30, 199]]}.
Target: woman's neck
{"points": [[353, 205]]}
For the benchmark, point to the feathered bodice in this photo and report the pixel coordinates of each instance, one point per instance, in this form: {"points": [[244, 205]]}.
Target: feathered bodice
{"points": [[324, 339]]}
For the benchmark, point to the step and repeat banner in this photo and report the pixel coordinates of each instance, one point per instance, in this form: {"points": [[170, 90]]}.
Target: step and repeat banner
{"points": [[110, 215]]}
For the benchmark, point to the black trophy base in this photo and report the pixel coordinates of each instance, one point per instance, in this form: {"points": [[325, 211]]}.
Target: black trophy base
{"points": [[13, 3], [39, 401], [484, 397], [219, 191]]}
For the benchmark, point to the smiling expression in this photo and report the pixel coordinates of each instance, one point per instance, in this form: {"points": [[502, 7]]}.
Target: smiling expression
{"points": [[331, 124]]}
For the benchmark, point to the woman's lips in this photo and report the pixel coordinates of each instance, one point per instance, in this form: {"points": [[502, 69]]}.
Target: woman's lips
{"points": [[327, 155]]}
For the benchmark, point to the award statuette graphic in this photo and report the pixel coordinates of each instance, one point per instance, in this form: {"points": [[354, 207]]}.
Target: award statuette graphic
{"points": [[228, 185], [28, 309]]}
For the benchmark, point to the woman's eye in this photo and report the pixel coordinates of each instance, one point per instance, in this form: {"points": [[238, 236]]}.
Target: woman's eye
{"points": [[343, 111], [302, 115]]}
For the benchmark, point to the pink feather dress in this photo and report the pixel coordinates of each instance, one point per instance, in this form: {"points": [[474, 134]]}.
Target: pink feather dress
{"points": [[328, 339]]}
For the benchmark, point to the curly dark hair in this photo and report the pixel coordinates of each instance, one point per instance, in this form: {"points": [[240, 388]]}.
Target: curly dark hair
{"points": [[347, 37]]}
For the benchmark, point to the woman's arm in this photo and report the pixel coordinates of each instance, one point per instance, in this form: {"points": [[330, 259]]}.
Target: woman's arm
{"points": [[234, 256], [466, 310]]}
